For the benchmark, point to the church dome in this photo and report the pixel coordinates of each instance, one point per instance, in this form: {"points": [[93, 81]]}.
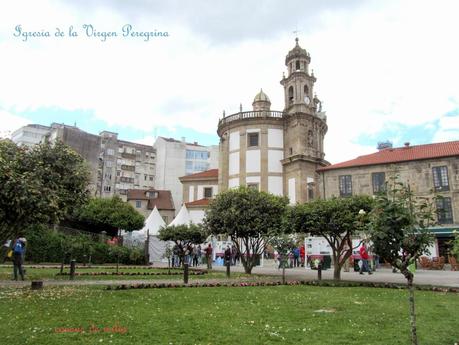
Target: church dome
{"points": [[261, 96], [297, 52]]}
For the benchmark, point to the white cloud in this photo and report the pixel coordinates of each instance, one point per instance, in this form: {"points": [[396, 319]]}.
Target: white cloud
{"points": [[378, 64], [9, 123]]}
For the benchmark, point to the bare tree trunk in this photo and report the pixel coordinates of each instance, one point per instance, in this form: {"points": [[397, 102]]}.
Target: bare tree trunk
{"points": [[282, 262], [409, 277], [336, 271]]}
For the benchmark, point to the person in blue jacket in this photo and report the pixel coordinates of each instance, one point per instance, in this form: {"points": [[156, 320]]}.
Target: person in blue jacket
{"points": [[18, 257]]}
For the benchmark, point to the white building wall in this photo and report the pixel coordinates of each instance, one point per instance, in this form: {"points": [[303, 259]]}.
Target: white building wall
{"points": [[253, 179], [275, 138], [234, 141], [275, 185], [233, 182], [197, 216], [234, 163], [191, 194], [253, 161], [274, 161], [170, 165]]}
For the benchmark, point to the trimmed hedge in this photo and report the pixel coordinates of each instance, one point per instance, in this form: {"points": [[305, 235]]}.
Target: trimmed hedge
{"points": [[46, 245], [322, 283]]}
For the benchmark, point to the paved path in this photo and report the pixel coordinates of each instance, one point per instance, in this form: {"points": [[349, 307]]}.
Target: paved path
{"points": [[383, 275], [270, 273]]}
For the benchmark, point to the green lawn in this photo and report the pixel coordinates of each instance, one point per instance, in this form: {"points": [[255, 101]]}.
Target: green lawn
{"points": [[50, 273], [248, 315]]}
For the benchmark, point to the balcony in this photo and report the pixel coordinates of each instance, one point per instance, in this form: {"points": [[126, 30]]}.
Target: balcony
{"points": [[128, 167], [250, 115], [128, 155], [126, 179]]}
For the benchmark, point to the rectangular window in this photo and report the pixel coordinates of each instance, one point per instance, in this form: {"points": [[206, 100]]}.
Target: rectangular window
{"points": [[345, 185], [108, 164], [444, 211], [440, 178], [195, 154], [253, 186], [107, 188], [310, 191], [138, 203], [110, 152], [252, 139], [379, 182], [207, 192]]}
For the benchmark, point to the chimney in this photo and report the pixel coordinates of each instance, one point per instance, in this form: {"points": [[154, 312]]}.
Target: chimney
{"points": [[407, 144], [195, 143]]}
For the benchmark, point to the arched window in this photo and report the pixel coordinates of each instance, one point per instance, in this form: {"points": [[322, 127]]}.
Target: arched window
{"points": [[306, 90], [297, 65], [290, 94]]}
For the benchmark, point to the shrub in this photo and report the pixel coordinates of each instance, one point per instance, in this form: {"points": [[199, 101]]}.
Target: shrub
{"points": [[47, 245]]}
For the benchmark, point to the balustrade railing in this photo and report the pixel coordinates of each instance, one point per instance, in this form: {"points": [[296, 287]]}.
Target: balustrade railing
{"points": [[249, 115]]}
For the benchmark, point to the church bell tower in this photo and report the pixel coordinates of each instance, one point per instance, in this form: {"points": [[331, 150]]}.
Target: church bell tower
{"points": [[305, 126]]}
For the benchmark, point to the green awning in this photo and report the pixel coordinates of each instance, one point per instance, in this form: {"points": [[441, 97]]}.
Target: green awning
{"points": [[444, 231]]}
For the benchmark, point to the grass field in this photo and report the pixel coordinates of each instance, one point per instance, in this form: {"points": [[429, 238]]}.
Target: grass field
{"points": [[248, 315], [50, 273]]}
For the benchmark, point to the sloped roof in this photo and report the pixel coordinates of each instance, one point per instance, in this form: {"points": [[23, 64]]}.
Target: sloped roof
{"points": [[197, 203], [400, 154], [208, 174], [164, 200]]}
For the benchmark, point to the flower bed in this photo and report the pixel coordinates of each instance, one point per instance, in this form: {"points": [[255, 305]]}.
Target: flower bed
{"points": [[172, 273], [114, 267], [276, 283]]}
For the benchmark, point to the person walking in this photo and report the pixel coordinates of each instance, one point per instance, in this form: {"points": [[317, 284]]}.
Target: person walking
{"points": [[18, 257], [364, 257], [302, 255], [209, 256], [296, 257], [227, 256]]}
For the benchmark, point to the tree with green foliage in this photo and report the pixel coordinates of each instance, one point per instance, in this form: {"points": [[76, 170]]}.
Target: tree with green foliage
{"points": [[251, 218], [454, 244], [39, 185], [183, 236], [399, 230], [283, 244], [337, 220], [109, 215]]}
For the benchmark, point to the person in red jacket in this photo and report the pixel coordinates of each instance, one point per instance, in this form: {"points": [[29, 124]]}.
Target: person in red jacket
{"points": [[302, 255], [364, 256]]}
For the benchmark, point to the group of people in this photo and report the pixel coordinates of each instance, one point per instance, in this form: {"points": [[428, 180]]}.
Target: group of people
{"points": [[15, 250], [231, 256], [194, 255], [295, 258]]}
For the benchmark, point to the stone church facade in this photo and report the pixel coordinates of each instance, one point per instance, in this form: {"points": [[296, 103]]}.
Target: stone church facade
{"points": [[277, 151]]}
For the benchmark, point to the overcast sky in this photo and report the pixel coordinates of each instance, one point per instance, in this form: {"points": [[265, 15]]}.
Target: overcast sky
{"points": [[386, 70]]}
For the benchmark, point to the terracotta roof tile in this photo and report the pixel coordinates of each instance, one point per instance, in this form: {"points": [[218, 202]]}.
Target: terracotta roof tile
{"points": [[162, 202], [200, 202], [212, 173], [401, 154]]}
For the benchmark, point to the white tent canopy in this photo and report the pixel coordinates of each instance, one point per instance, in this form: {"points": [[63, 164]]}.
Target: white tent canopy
{"points": [[182, 218], [152, 225]]}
